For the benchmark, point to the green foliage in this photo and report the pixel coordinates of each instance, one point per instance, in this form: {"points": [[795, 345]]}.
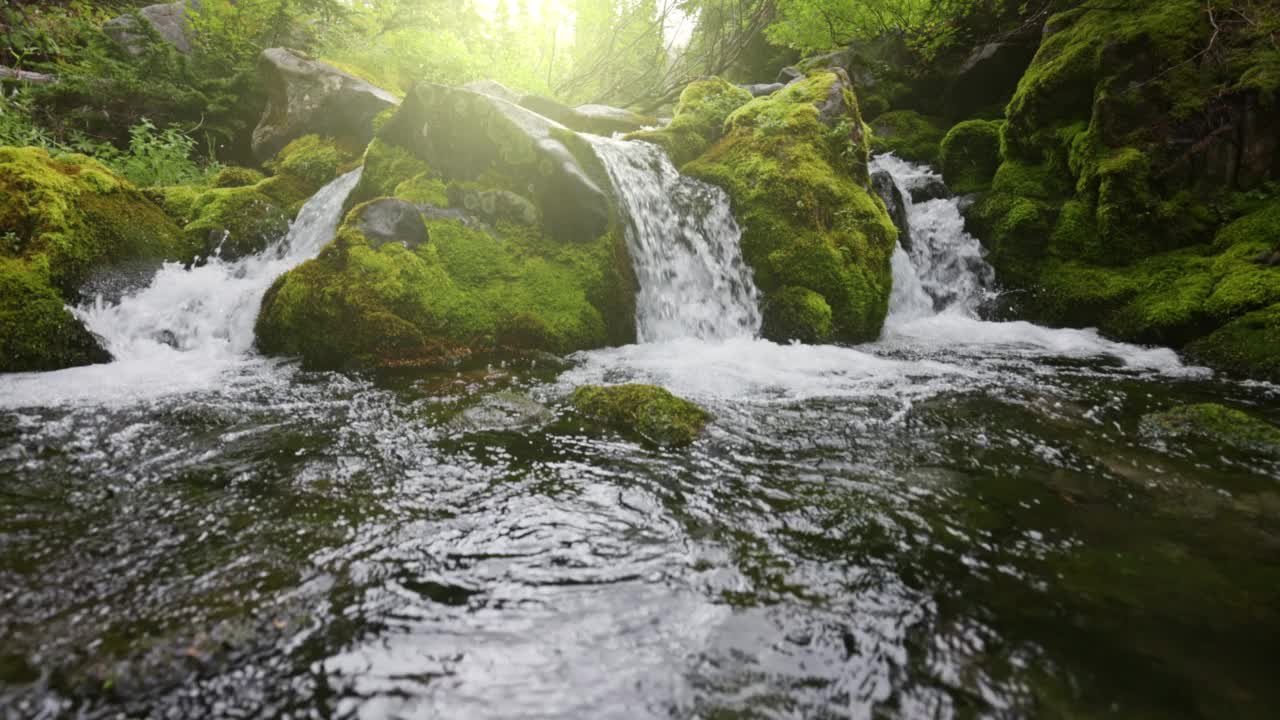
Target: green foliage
{"points": [[649, 411]]}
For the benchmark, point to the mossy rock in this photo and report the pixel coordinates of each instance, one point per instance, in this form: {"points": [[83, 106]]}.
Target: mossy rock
{"points": [[239, 220], [471, 289], [1248, 345], [969, 155], [233, 177], [61, 218], [651, 412], [908, 135], [797, 314], [698, 121], [1218, 424], [795, 167]]}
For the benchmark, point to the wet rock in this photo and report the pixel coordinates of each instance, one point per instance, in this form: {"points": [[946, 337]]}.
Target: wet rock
{"points": [[928, 187], [594, 119], [463, 134], [306, 96], [646, 410], [493, 88], [503, 411], [168, 20], [884, 186], [989, 76], [114, 282], [1217, 424], [392, 220], [494, 205], [762, 89]]}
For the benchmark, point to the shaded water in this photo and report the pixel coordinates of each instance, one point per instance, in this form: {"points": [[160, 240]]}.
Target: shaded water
{"points": [[963, 519]]}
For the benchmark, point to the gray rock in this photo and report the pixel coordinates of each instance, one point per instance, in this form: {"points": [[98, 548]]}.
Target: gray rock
{"points": [[607, 120], [307, 96], [928, 187], [762, 89], [391, 220], [494, 88], [789, 74], [884, 186], [463, 134], [169, 20], [494, 205]]}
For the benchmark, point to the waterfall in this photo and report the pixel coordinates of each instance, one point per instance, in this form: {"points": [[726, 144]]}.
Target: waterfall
{"points": [[209, 310], [944, 270], [684, 245]]}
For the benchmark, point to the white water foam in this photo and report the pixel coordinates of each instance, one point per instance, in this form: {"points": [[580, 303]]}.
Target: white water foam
{"points": [[190, 328], [684, 246]]}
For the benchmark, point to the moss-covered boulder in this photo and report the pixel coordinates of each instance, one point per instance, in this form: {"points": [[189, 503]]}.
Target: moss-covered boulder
{"points": [[469, 289], [797, 314], [698, 121], [645, 410], [795, 167], [241, 215], [1106, 207], [473, 137], [909, 135], [1246, 346], [1217, 424], [969, 155], [60, 219]]}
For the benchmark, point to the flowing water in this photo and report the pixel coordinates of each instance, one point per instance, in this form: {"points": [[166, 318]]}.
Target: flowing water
{"points": [[964, 519]]}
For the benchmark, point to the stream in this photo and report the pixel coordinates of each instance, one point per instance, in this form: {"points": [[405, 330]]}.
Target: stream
{"points": [[963, 519]]}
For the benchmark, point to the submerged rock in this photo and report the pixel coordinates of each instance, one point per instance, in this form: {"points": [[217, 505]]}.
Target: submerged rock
{"points": [[60, 220], [1218, 424], [699, 119], [796, 172], [168, 20], [646, 410], [306, 96], [503, 411]]}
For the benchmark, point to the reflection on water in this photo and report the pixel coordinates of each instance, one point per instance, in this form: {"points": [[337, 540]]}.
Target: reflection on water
{"points": [[910, 528]]}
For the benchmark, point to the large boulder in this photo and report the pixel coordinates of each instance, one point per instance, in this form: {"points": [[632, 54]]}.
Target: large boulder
{"points": [[1109, 203], [60, 220], [306, 96], [698, 121], [795, 167], [168, 21], [594, 119], [477, 227], [969, 155], [465, 135]]}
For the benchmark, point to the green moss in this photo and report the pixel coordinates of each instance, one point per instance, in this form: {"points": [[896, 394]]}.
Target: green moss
{"points": [[798, 188], [969, 155], [909, 135], [389, 170], [36, 330], [699, 119], [1245, 346], [178, 201], [1218, 424], [312, 159], [61, 218], [799, 314], [466, 291], [649, 411], [230, 177]]}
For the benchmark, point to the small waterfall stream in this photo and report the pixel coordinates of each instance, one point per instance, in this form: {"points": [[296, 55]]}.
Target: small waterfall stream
{"points": [[684, 245]]}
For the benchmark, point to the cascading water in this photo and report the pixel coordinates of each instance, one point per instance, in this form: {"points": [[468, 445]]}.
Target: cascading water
{"points": [[684, 246], [944, 270], [188, 326]]}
